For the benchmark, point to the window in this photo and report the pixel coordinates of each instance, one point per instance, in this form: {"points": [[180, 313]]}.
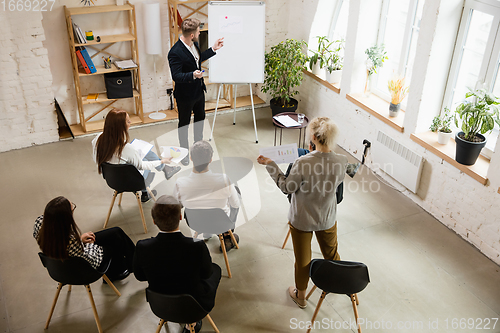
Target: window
{"points": [[476, 58], [338, 28], [398, 31]]}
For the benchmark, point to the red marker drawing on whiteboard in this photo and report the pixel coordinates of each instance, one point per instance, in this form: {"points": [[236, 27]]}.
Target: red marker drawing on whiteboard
{"points": [[226, 17]]}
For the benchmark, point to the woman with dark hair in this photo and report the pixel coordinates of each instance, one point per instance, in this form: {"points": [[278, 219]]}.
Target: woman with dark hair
{"points": [[112, 146], [59, 238]]}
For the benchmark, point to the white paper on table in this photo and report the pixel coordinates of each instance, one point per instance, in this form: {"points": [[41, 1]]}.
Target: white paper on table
{"points": [[141, 146], [286, 121], [177, 153], [281, 154]]}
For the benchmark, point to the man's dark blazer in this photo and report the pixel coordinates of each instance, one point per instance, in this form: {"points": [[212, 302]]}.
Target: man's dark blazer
{"points": [[182, 66], [175, 264]]}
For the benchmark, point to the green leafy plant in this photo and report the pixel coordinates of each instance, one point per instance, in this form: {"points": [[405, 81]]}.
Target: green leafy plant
{"points": [[328, 54], [376, 57], [478, 113], [283, 70], [442, 122]]}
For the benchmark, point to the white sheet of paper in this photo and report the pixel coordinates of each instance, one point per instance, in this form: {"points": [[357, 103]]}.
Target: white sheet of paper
{"points": [[231, 24], [177, 153], [281, 154], [123, 64], [286, 121], [142, 147]]}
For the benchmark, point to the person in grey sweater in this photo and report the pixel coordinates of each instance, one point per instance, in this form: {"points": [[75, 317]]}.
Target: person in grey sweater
{"points": [[312, 181]]}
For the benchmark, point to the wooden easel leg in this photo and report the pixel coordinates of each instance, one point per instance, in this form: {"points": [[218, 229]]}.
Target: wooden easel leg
{"points": [[120, 199], [321, 299], [223, 246], [310, 293], [151, 194], [286, 238], [160, 325], [215, 112], [96, 316], [212, 323], [59, 286], [108, 281], [233, 239], [355, 308], [110, 209], [138, 196]]}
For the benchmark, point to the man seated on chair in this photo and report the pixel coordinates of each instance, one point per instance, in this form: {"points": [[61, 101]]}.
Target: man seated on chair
{"points": [[203, 189], [174, 264]]}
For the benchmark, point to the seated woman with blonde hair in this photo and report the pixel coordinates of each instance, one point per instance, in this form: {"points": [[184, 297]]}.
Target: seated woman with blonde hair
{"points": [[112, 146], [312, 181]]}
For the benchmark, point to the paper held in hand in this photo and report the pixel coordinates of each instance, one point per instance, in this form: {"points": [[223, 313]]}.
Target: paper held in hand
{"points": [[281, 154], [141, 146], [177, 153]]}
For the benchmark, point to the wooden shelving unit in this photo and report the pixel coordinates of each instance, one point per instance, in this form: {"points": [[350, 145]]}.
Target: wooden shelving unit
{"points": [[86, 125]]}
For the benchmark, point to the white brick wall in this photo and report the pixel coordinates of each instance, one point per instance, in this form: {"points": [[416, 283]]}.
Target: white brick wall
{"points": [[26, 103]]}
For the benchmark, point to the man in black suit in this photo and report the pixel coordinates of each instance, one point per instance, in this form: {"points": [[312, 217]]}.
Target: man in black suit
{"points": [[174, 264], [185, 60]]}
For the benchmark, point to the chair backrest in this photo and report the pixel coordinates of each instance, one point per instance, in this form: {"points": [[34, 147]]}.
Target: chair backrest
{"points": [[75, 270], [175, 308], [123, 177], [212, 220], [339, 277]]}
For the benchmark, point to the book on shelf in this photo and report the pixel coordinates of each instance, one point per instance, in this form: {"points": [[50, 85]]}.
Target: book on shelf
{"points": [[82, 61], [87, 59], [125, 64], [92, 97], [79, 37]]}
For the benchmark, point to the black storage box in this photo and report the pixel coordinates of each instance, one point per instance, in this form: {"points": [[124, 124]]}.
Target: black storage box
{"points": [[119, 85]]}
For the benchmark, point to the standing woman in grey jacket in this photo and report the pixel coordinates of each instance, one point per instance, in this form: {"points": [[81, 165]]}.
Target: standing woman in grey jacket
{"points": [[312, 182]]}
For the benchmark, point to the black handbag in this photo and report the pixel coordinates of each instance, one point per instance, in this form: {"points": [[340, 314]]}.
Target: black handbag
{"points": [[119, 85]]}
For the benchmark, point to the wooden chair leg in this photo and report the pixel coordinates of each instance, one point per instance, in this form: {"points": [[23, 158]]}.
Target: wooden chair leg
{"points": [[321, 299], [69, 288], [160, 325], [310, 293], [138, 196], [120, 199], [108, 281], [151, 194], [59, 287], [234, 239], [356, 298], [191, 328], [110, 209], [96, 316], [355, 308], [286, 238], [223, 246], [212, 323]]}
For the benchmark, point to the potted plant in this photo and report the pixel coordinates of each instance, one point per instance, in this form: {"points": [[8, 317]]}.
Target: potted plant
{"points": [[328, 56], [376, 55], [441, 125], [478, 114], [398, 92], [284, 65]]}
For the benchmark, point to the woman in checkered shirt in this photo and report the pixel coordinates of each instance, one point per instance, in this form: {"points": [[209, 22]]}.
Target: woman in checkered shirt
{"points": [[59, 237]]}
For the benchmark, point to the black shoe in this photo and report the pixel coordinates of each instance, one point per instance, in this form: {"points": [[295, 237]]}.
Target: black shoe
{"points": [[145, 196], [197, 327], [120, 276], [170, 171], [185, 160], [228, 242]]}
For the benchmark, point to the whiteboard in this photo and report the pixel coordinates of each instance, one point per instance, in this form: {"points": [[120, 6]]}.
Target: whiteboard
{"points": [[242, 24]]}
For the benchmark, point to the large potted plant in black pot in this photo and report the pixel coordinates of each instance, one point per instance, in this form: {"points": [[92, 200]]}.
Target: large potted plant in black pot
{"points": [[283, 73], [477, 114]]}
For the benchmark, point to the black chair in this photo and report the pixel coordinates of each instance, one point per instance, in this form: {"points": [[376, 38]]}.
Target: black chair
{"points": [[212, 221], [75, 271], [338, 277], [125, 178], [181, 309]]}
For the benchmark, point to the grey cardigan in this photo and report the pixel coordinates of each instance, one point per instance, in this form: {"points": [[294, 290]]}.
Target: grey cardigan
{"points": [[312, 182]]}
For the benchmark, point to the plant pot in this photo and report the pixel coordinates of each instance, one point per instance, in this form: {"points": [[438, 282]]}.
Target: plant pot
{"points": [[333, 77], [444, 138], [276, 108], [394, 109], [467, 152], [317, 70]]}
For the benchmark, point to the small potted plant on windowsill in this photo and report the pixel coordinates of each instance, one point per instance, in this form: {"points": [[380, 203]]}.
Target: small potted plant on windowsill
{"points": [[329, 57], [376, 55], [441, 125], [284, 65], [478, 114], [398, 92]]}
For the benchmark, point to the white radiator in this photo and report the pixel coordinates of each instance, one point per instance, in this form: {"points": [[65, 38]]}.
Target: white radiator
{"points": [[401, 163]]}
